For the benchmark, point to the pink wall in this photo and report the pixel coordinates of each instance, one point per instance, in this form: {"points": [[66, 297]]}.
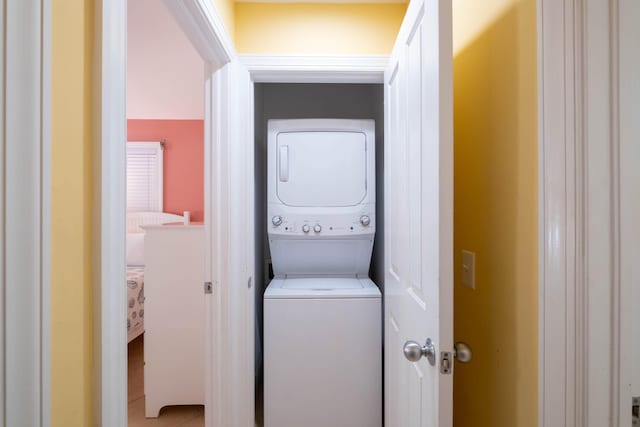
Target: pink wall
{"points": [[183, 161]]}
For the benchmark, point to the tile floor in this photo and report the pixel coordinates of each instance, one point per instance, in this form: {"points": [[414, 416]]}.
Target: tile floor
{"points": [[170, 416]]}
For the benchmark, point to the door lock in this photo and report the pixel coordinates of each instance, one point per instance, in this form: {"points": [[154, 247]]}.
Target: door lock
{"points": [[208, 287], [414, 351], [462, 352]]}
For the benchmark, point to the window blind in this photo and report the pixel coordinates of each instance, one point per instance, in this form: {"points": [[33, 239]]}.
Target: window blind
{"points": [[144, 177]]}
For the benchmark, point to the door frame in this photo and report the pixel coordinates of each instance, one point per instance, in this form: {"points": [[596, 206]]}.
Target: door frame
{"points": [[25, 213], [585, 159]]}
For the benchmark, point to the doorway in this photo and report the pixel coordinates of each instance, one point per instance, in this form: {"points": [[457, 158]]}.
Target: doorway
{"points": [[164, 220], [300, 101]]}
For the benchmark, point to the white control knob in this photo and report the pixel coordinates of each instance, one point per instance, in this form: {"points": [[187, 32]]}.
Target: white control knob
{"points": [[365, 220], [306, 228], [276, 220], [317, 228]]}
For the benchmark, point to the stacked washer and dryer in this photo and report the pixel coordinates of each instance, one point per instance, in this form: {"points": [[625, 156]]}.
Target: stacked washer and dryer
{"points": [[322, 313]]}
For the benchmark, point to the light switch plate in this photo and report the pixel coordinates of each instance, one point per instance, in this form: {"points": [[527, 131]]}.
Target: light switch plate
{"points": [[469, 269]]}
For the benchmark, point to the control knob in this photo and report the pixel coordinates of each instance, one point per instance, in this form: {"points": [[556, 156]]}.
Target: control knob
{"points": [[317, 228], [276, 220], [365, 220], [306, 228]]}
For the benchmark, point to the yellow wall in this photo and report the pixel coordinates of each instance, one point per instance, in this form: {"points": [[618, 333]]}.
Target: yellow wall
{"points": [[226, 10], [496, 205], [71, 194], [317, 28]]}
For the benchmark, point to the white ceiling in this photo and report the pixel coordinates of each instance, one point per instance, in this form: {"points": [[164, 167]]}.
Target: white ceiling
{"points": [[165, 74]]}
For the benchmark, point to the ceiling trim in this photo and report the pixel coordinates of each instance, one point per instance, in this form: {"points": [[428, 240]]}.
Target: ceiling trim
{"points": [[316, 68], [204, 27]]}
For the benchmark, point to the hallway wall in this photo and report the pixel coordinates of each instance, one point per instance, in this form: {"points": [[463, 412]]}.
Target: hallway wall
{"points": [[72, 213], [496, 211]]}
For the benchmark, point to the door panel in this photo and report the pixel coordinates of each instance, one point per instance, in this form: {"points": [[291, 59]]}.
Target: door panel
{"points": [[419, 212]]}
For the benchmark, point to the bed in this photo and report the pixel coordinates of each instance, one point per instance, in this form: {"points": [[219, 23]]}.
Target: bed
{"points": [[135, 301], [135, 266]]}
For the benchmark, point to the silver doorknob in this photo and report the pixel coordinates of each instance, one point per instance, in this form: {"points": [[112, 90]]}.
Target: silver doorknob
{"points": [[414, 351], [462, 352]]}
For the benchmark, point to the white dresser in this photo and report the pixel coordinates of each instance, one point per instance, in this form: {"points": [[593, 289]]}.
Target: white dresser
{"points": [[174, 316]]}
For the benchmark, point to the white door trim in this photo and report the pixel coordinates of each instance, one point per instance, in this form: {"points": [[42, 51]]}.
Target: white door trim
{"points": [[204, 28], [25, 212], [110, 337], [229, 213], [582, 369], [316, 68], [629, 198], [557, 317]]}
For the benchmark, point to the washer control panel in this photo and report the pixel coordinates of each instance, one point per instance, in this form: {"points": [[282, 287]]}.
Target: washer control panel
{"points": [[321, 225]]}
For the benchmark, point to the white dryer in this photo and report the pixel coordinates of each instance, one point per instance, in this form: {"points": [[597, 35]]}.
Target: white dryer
{"points": [[322, 314]]}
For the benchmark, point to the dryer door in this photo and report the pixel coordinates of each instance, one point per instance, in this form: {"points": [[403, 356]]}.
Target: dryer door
{"points": [[321, 168]]}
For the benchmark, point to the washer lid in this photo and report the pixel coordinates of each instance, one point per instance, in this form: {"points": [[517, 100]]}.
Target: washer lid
{"points": [[338, 283], [322, 287]]}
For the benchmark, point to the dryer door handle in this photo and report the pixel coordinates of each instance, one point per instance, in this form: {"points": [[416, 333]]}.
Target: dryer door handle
{"points": [[283, 163]]}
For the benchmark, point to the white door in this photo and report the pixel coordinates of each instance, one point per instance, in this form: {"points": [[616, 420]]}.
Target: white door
{"points": [[419, 217]]}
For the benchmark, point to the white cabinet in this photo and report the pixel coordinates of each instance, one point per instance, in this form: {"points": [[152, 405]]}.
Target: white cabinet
{"points": [[174, 317]]}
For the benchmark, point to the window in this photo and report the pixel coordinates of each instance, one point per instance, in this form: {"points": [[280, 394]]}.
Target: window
{"points": [[144, 177]]}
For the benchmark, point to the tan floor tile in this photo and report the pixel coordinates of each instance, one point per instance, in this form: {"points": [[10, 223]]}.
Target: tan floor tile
{"points": [[196, 422], [170, 416], [136, 369]]}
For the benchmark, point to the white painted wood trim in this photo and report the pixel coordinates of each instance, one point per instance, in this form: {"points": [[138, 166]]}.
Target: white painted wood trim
{"points": [[316, 68], [556, 386], [212, 194], [110, 342], [3, 108], [205, 28], [229, 214], [628, 16], [45, 391], [586, 202], [25, 194]]}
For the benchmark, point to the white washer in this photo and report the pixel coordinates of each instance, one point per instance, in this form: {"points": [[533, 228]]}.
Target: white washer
{"points": [[322, 314]]}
